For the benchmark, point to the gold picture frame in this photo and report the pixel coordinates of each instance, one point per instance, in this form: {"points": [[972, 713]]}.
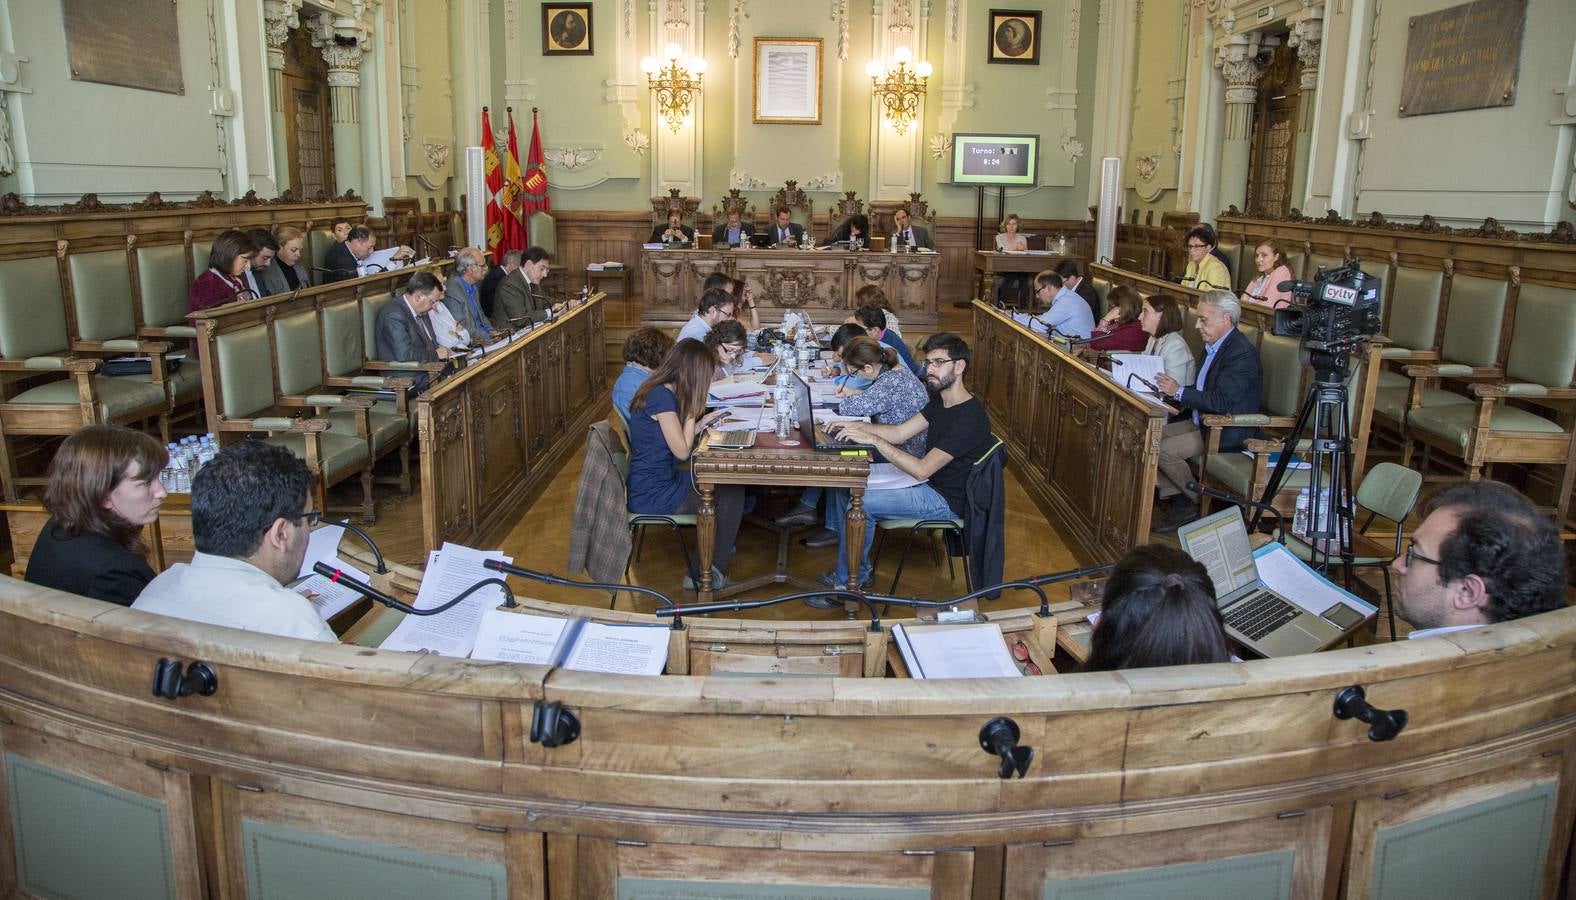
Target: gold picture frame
{"points": [[787, 81], [566, 29]]}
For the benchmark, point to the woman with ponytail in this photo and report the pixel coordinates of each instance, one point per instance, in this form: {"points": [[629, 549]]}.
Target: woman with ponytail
{"points": [[1159, 610], [894, 396]]}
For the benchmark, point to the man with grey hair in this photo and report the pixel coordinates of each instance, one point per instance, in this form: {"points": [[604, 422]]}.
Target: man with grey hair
{"points": [[462, 298], [1230, 381]]}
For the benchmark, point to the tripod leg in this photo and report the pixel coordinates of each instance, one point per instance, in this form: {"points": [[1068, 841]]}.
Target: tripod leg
{"points": [[1278, 475]]}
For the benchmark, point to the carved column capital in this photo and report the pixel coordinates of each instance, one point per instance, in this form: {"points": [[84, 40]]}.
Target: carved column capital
{"points": [[279, 16], [343, 41]]}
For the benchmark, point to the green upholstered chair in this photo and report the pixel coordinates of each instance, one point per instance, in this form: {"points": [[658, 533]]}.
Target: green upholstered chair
{"points": [[1412, 317], [248, 403], [162, 288], [1245, 474], [104, 322], [1317, 261], [1296, 260], [370, 307], [1388, 491], [344, 366], [198, 251], [35, 344], [1102, 289], [318, 240], [543, 229], [1538, 377], [1231, 248]]}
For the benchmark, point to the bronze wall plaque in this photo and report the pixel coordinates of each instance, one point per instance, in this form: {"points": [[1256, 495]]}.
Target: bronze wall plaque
{"points": [[129, 43], [1464, 57]]}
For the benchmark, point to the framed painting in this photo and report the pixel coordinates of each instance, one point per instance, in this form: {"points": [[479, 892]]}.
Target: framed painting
{"points": [[787, 81], [1014, 36], [566, 29]]}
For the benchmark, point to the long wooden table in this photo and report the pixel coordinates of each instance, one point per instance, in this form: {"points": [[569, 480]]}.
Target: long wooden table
{"points": [[1084, 448], [820, 282], [990, 263], [494, 435]]}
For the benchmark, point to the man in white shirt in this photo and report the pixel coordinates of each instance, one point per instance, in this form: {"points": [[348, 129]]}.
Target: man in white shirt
{"points": [[251, 513], [1484, 554], [715, 305], [1067, 315]]}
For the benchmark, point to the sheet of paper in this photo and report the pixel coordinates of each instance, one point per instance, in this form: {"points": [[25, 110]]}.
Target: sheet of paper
{"points": [[450, 570], [745, 418], [1140, 365], [736, 389], [506, 636], [330, 599], [620, 649], [823, 416], [384, 258], [955, 651], [1285, 574], [887, 477]]}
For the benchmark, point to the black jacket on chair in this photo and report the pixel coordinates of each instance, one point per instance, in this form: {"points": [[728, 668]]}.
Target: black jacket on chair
{"points": [[984, 520], [1234, 384], [89, 564]]}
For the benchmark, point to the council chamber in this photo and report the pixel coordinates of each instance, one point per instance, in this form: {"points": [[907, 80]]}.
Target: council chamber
{"points": [[864, 450]]}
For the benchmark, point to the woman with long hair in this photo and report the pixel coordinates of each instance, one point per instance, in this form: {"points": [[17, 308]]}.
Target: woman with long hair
{"points": [[666, 415], [1120, 331], [103, 488], [1161, 319], [894, 394], [1159, 610], [1273, 270]]}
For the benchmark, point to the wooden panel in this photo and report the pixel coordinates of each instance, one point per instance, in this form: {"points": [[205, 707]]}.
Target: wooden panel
{"points": [[493, 436]]}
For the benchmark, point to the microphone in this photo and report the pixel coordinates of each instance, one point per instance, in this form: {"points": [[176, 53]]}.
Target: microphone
{"points": [[421, 240], [1241, 501], [1287, 286], [498, 565], [377, 554], [1069, 575], [338, 576], [1144, 381], [244, 290]]}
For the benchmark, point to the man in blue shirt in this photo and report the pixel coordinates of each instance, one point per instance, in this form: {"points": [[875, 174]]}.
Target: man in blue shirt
{"points": [[1068, 315], [461, 296], [732, 231], [1230, 381]]}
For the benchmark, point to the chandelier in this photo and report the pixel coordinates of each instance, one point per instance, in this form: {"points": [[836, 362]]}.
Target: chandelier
{"points": [[900, 89], [675, 85]]}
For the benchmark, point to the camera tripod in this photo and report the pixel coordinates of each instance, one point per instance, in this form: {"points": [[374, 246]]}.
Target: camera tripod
{"points": [[1329, 454]]}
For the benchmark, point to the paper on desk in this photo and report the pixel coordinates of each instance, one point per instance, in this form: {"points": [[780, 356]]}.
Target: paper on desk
{"points": [[330, 599], [619, 649], [887, 477], [450, 570], [572, 643], [504, 636], [384, 258], [734, 390], [1285, 574], [1140, 365], [823, 416], [955, 651], [746, 418]]}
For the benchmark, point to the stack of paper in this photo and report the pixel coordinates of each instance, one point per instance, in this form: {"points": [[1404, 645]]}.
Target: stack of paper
{"points": [[955, 651], [450, 570], [574, 643]]}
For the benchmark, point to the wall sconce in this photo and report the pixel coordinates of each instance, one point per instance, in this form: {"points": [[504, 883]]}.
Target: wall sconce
{"points": [[899, 89], [675, 85]]}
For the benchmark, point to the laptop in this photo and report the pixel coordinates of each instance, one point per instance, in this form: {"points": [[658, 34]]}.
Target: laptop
{"points": [[814, 435], [734, 438], [1256, 617], [760, 240]]}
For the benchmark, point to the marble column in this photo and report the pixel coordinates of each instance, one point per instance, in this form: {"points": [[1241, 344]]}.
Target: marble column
{"points": [[1240, 65], [279, 16], [344, 41], [1307, 35]]}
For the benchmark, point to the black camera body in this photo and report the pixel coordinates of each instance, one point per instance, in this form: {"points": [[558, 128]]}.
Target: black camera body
{"points": [[1333, 312]]}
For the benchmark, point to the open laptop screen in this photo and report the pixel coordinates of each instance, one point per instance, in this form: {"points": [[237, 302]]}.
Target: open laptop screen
{"points": [[1219, 542]]}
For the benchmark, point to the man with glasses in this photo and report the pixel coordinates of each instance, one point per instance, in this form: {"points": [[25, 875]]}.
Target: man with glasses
{"points": [[957, 435], [715, 305], [1483, 554], [251, 514]]}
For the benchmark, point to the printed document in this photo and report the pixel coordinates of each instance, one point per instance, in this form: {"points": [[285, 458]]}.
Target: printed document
{"points": [[955, 651], [1285, 574], [329, 598], [574, 643], [450, 570]]}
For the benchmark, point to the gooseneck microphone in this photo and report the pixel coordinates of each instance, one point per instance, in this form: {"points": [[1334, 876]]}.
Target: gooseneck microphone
{"points": [[338, 576]]}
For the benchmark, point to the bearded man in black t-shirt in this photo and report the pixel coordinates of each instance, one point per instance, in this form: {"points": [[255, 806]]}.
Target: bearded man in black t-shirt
{"points": [[957, 435]]}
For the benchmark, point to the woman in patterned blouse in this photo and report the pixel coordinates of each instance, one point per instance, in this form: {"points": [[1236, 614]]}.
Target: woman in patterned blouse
{"points": [[894, 396]]}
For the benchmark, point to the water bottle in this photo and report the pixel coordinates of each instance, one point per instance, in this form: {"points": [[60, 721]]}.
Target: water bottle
{"points": [[1299, 519], [782, 422]]}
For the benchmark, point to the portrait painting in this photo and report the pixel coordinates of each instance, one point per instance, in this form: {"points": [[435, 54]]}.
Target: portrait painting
{"points": [[1014, 36], [566, 29]]}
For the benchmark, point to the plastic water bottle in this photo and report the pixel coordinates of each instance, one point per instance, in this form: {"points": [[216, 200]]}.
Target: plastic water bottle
{"points": [[782, 422], [1299, 519]]}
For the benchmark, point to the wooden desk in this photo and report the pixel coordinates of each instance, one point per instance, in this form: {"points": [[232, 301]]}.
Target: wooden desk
{"points": [[596, 280], [821, 282], [494, 435], [169, 537], [990, 263], [769, 462]]}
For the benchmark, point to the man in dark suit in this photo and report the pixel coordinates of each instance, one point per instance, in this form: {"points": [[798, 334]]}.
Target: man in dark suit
{"points": [[732, 231], [404, 332], [521, 298], [1230, 380], [672, 233], [343, 260], [1079, 285], [488, 293], [786, 233], [906, 232]]}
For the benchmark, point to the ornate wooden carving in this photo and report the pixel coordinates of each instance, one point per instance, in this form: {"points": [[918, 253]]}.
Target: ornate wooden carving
{"points": [[12, 204], [791, 196], [848, 205], [687, 207], [734, 201], [1563, 233]]}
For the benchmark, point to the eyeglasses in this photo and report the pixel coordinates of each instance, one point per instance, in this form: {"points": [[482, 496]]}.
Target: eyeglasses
{"points": [[311, 517], [1197, 246], [938, 363], [1021, 654], [1412, 555]]}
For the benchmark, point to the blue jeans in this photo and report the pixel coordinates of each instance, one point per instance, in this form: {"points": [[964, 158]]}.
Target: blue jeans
{"points": [[918, 502]]}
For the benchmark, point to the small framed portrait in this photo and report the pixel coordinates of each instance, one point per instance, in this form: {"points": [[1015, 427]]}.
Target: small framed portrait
{"points": [[1014, 36], [566, 29]]}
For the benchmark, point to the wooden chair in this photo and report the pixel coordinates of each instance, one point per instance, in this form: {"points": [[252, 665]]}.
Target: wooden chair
{"points": [[35, 344], [733, 201], [1538, 374], [801, 208], [370, 306], [1247, 474], [688, 209], [637, 522], [345, 366]]}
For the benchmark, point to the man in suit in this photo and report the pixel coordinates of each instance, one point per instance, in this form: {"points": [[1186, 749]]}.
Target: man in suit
{"points": [[520, 298], [262, 275], [1230, 380], [1079, 285], [488, 294], [672, 233], [732, 231], [343, 260], [906, 232], [462, 296], [405, 333], [786, 233]]}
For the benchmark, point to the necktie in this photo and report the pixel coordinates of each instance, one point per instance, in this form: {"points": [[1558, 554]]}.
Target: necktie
{"points": [[908, 236], [426, 331]]}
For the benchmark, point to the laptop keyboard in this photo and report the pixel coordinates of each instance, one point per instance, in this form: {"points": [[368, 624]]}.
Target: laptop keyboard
{"points": [[1260, 614], [742, 437]]}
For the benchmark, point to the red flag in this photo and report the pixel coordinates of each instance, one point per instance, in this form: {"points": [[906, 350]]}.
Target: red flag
{"points": [[494, 185], [514, 218], [534, 188]]}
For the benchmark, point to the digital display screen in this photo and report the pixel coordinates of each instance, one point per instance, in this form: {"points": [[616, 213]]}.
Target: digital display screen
{"points": [[995, 159]]}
